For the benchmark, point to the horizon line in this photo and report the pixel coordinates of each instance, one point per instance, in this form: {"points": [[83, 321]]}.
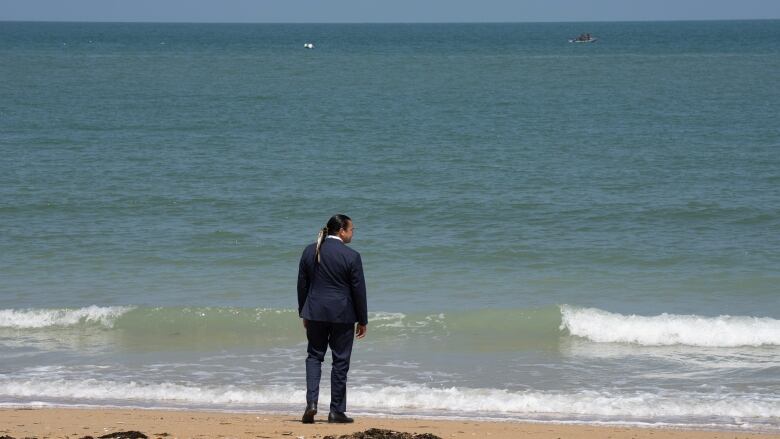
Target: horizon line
{"points": [[387, 22]]}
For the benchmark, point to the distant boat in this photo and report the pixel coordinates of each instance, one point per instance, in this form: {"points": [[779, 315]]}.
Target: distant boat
{"points": [[584, 38], [308, 45]]}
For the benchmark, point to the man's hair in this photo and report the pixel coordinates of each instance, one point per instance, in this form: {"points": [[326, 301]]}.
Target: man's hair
{"points": [[335, 223]]}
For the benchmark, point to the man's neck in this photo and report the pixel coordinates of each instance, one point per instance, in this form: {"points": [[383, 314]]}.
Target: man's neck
{"points": [[335, 237]]}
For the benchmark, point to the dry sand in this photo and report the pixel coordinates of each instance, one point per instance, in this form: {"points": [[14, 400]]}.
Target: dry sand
{"points": [[49, 423]]}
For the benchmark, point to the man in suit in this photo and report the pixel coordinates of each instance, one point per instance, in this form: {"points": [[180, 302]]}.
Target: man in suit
{"points": [[331, 299]]}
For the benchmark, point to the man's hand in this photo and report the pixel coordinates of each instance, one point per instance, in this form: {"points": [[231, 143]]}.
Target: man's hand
{"points": [[305, 323], [361, 330]]}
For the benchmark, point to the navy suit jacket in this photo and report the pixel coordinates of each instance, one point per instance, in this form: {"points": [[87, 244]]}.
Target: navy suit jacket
{"points": [[333, 290]]}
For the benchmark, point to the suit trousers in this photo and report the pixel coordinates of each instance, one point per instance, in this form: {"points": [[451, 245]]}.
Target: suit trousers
{"points": [[339, 336]]}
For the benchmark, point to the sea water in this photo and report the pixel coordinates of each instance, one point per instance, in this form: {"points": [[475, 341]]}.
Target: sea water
{"points": [[550, 231]]}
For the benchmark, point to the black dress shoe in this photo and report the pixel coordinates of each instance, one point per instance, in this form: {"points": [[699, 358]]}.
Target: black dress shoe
{"points": [[308, 415], [339, 418]]}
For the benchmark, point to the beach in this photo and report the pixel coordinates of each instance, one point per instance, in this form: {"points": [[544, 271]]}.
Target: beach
{"points": [[50, 423], [550, 232]]}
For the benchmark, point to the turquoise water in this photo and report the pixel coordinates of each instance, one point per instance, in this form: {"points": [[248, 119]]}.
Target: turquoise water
{"points": [[549, 230]]}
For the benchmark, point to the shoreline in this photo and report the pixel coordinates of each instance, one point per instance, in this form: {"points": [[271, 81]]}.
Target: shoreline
{"points": [[51, 423]]}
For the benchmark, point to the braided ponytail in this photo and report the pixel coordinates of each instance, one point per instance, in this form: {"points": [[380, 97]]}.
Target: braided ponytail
{"points": [[320, 238]]}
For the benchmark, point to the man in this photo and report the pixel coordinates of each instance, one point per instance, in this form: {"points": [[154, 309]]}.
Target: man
{"points": [[331, 299]]}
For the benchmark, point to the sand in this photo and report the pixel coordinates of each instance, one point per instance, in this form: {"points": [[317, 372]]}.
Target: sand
{"points": [[51, 423]]}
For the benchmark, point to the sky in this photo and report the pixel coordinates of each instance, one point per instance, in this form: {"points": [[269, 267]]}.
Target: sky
{"points": [[373, 11]]}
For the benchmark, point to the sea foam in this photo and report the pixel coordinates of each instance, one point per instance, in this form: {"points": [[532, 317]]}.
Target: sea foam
{"points": [[669, 329], [414, 397], [43, 318]]}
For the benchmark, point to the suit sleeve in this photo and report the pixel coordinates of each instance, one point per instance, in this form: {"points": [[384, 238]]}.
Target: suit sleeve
{"points": [[358, 289], [303, 283]]}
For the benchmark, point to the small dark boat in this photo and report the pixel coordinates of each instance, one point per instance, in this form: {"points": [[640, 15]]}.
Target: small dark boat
{"points": [[583, 38]]}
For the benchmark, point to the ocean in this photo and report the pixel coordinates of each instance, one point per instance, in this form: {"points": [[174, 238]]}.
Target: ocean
{"points": [[551, 232]]}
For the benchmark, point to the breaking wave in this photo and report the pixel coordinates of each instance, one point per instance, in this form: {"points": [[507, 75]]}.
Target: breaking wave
{"points": [[506, 327], [669, 329], [44, 318], [413, 397]]}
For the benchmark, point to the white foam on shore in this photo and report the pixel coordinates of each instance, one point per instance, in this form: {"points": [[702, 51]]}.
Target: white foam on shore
{"points": [[587, 403], [447, 401], [43, 318], [92, 389], [669, 329]]}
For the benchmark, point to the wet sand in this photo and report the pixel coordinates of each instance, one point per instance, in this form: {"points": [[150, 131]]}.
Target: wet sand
{"points": [[51, 423]]}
